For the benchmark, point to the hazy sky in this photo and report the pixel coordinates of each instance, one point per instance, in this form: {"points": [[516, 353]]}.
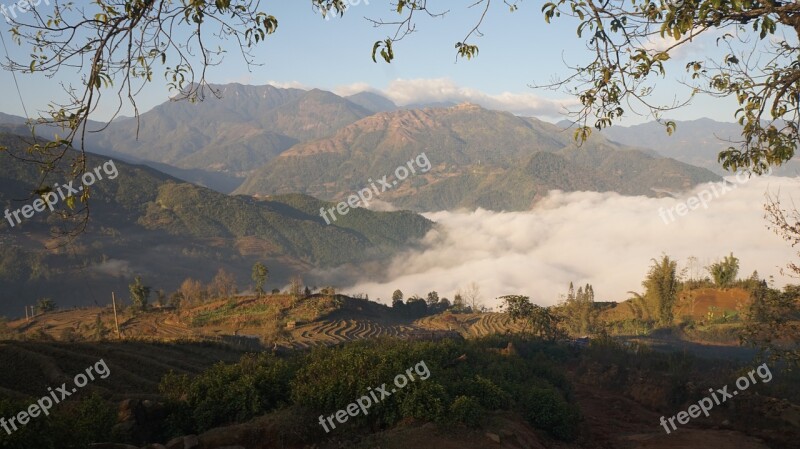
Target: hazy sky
{"points": [[517, 50]]}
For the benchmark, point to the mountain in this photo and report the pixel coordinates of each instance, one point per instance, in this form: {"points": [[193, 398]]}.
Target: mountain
{"points": [[696, 142], [372, 102], [146, 222], [478, 158], [233, 131]]}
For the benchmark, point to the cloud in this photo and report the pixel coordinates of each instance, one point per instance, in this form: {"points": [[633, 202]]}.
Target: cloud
{"points": [[113, 267], [604, 239], [700, 46], [288, 85], [352, 89], [414, 91]]}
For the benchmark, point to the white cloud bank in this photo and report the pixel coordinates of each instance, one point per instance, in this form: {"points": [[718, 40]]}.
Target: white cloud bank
{"points": [[604, 239], [405, 92]]}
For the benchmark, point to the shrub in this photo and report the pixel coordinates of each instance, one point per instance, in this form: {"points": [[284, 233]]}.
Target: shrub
{"points": [[427, 401], [486, 392], [546, 409], [467, 410], [228, 393]]}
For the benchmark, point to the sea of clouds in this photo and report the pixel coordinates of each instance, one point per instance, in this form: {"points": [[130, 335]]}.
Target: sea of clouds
{"points": [[604, 239]]}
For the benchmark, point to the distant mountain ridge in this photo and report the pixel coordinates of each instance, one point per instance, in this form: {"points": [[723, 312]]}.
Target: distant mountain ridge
{"points": [[260, 139], [697, 142], [481, 158], [239, 131]]}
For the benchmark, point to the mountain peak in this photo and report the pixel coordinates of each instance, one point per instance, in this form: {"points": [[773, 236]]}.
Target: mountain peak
{"points": [[467, 106]]}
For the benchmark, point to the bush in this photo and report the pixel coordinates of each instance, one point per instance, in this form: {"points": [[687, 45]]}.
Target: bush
{"points": [[546, 409], [328, 379], [486, 392], [229, 393], [467, 410], [427, 401], [74, 426]]}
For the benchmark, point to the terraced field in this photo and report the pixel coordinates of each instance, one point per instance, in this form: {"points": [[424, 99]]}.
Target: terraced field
{"points": [[335, 331], [350, 319], [470, 324], [135, 367]]}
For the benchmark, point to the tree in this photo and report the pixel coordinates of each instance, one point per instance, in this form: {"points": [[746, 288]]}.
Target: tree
{"points": [[577, 310], [140, 293], [661, 288], [724, 272], [100, 329], [398, 304], [175, 299], [770, 324], [259, 275], [432, 298], [639, 307], [192, 291], [472, 296], [223, 285], [296, 287], [397, 296], [44, 305], [458, 302], [416, 307], [541, 321], [161, 298]]}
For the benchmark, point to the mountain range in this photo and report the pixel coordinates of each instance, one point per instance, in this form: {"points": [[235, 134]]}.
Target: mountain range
{"points": [[242, 177], [144, 222], [259, 140], [480, 158]]}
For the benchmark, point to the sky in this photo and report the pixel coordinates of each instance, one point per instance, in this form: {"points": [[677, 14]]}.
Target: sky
{"points": [[517, 50]]}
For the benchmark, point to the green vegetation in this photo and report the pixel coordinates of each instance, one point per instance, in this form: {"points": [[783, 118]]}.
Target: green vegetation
{"points": [[661, 289], [44, 305], [259, 276], [227, 393], [327, 379], [539, 321], [578, 312], [725, 271], [73, 426], [140, 293]]}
